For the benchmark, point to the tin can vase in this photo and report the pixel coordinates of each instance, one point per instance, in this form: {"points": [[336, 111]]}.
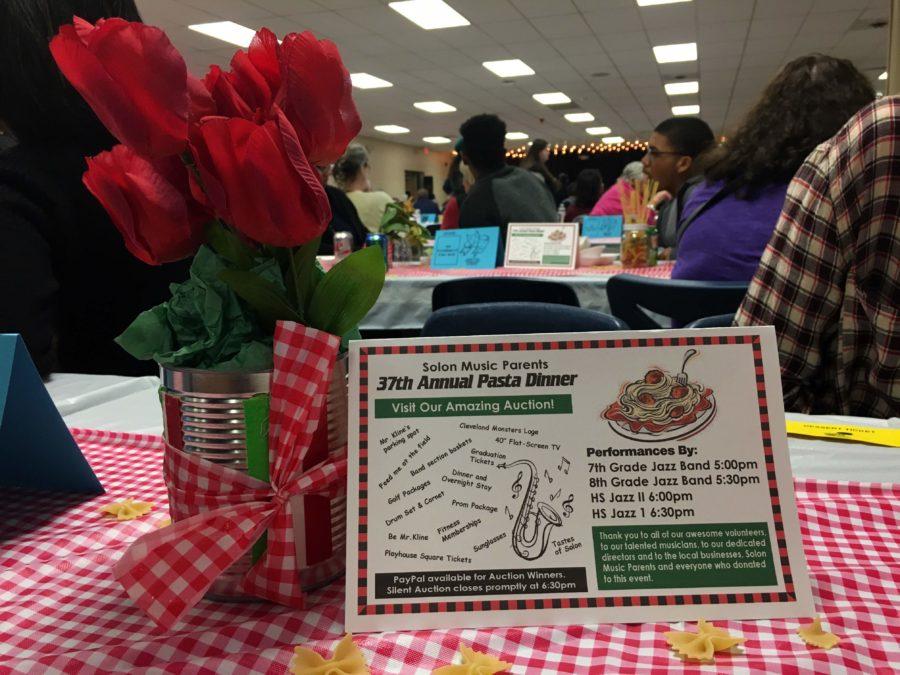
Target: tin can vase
{"points": [[205, 415]]}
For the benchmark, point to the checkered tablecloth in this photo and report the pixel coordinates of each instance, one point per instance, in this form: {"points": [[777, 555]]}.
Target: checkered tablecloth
{"points": [[61, 611], [661, 271]]}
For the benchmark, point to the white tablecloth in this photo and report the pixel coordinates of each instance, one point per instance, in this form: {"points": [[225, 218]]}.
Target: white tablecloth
{"points": [[132, 404]]}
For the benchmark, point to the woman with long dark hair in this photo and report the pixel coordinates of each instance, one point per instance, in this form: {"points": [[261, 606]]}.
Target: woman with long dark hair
{"points": [[67, 282], [536, 162], [727, 222], [588, 188]]}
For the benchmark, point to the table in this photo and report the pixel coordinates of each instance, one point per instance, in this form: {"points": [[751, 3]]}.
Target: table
{"points": [[61, 611], [114, 403], [405, 302]]}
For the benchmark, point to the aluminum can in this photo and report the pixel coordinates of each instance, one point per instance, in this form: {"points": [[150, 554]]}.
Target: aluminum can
{"points": [[343, 245], [376, 239]]}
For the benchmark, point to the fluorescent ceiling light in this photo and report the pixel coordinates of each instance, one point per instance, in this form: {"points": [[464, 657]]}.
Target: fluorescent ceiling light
{"points": [[366, 81], [434, 106], [227, 31], [612, 140], [650, 3], [516, 136], [580, 117], [598, 131], [436, 139], [391, 129], [678, 88], [883, 76], [430, 14], [676, 53], [685, 109], [508, 68], [552, 98]]}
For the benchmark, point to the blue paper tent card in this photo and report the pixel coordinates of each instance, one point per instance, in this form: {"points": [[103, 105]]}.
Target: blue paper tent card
{"points": [[36, 448], [602, 229], [472, 248]]}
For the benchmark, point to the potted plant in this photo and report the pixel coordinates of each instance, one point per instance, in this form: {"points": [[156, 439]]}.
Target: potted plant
{"points": [[224, 170]]}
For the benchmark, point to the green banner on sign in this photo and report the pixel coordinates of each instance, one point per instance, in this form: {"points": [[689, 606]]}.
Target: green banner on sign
{"points": [[535, 404]]}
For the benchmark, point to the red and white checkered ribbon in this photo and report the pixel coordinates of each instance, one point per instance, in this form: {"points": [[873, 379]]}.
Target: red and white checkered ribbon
{"points": [[166, 572]]}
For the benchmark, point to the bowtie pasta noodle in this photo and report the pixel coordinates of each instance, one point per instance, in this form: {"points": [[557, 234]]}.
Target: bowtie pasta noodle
{"points": [[347, 660], [703, 644]]}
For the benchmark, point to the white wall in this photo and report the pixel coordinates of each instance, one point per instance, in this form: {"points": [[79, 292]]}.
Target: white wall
{"points": [[389, 161]]}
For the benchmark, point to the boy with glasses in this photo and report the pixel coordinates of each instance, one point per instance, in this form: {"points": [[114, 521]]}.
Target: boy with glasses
{"points": [[672, 160]]}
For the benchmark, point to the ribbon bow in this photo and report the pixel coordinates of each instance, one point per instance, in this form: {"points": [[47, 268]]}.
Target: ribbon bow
{"points": [[166, 572]]}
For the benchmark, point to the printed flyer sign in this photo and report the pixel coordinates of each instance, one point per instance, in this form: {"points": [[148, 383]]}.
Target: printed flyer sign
{"points": [[572, 478], [552, 245]]}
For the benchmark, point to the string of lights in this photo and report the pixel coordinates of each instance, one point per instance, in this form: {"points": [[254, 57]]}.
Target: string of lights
{"points": [[582, 149]]}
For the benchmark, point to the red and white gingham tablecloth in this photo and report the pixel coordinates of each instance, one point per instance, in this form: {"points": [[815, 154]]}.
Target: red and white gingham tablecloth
{"points": [[61, 611], [400, 271]]}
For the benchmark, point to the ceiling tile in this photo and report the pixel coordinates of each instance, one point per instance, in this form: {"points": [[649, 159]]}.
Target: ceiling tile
{"points": [[565, 25], [235, 10], [505, 32], [534, 8], [289, 7], [608, 21], [766, 9]]}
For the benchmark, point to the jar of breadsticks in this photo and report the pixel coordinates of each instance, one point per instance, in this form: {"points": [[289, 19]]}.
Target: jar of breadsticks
{"points": [[636, 196], [635, 245]]}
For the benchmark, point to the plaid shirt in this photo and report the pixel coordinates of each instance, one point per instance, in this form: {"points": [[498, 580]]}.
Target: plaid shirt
{"points": [[829, 280]]}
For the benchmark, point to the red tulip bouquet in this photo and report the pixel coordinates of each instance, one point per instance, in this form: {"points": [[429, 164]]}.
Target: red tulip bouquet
{"points": [[222, 169]]}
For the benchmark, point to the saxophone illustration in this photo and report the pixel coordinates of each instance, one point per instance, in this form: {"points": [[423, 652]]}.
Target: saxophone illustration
{"points": [[530, 542]]}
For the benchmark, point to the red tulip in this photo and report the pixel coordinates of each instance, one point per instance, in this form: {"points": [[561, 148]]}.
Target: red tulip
{"points": [[316, 96], [148, 203], [258, 179], [248, 90], [132, 77]]}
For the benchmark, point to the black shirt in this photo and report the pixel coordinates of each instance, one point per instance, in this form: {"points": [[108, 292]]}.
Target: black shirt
{"points": [[344, 218], [67, 282]]}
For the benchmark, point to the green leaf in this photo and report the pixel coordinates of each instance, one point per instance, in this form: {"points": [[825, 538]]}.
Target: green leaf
{"points": [[229, 245], [348, 291], [306, 274], [269, 301]]}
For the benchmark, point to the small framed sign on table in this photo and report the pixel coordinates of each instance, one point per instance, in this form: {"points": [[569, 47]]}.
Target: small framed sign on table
{"points": [[570, 478], [550, 245], [602, 229], [473, 248]]}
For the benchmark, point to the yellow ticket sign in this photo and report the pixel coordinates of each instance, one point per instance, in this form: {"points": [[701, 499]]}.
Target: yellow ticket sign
{"points": [[846, 432]]}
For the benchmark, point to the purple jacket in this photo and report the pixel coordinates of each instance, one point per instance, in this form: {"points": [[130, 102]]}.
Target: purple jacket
{"points": [[726, 241]]}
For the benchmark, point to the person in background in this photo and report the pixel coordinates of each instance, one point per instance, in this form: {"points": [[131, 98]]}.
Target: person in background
{"points": [[6, 139], [351, 173], [424, 203], [588, 188], [728, 218], [610, 202], [450, 219], [565, 186], [501, 193], [454, 179], [536, 162], [674, 159], [344, 217], [829, 279], [70, 286]]}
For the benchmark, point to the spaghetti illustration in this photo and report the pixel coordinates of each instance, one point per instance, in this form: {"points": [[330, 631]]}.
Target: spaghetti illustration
{"points": [[661, 406]]}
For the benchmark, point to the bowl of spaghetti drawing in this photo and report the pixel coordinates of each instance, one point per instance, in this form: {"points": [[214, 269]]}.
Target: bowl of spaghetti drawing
{"points": [[661, 407]]}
